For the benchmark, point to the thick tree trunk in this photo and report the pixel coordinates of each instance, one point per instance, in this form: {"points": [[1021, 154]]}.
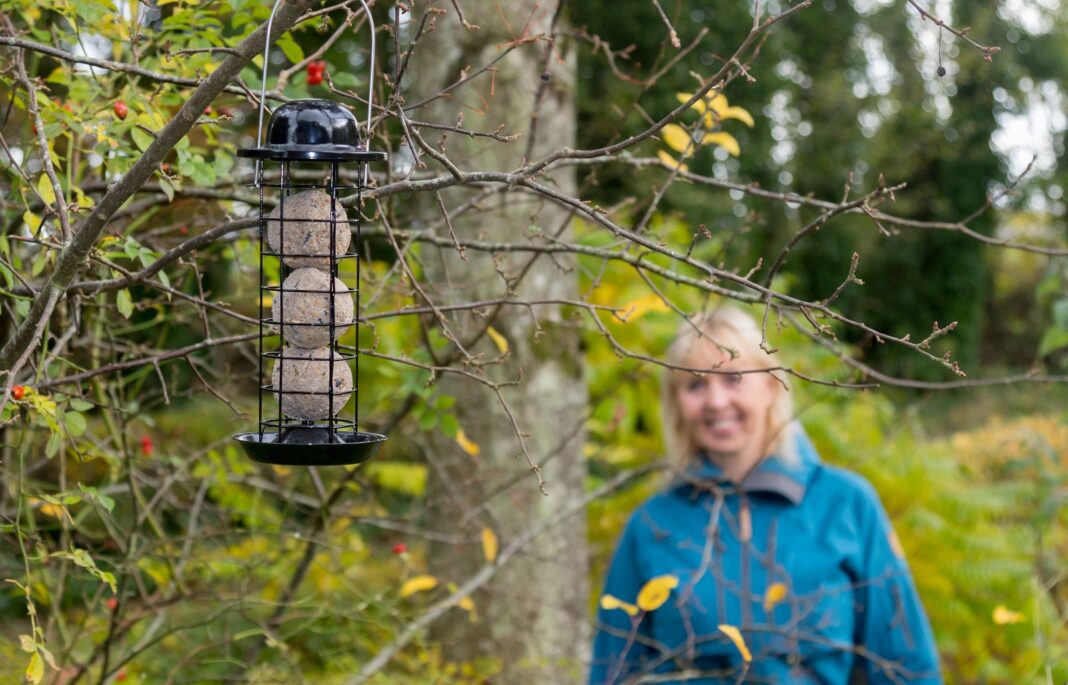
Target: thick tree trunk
{"points": [[532, 619]]}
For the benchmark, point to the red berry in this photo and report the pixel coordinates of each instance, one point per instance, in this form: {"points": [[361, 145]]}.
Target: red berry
{"points": [[184, 230], [315, 72], [400, 548], [146, 446], [18, 391], [121, 110], [207, 111], [111, 603], [120, 676]]}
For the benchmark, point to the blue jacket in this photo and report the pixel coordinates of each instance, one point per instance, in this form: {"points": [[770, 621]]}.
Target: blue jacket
{"points": [[849, 614]]}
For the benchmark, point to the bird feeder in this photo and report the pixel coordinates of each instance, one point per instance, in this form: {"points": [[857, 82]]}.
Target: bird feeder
{"points": [[309, 242]]}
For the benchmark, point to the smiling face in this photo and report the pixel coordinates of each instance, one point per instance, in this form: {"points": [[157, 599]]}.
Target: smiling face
{"points": [[726, 414]]}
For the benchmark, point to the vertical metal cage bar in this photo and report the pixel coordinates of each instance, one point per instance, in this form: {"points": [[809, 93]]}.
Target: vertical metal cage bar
{"points": [[259, 361], [332, 271], [361, 183], [280, 361]]}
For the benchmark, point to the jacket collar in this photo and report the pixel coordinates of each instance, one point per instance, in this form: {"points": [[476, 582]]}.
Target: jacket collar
{"points": [[788, 478]]}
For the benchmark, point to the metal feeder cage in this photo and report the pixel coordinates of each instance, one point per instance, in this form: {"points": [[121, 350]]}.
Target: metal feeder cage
{"points": [[315, 240]]}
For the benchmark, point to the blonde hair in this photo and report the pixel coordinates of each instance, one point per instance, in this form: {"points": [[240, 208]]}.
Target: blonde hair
{"points": [[736, 333]]}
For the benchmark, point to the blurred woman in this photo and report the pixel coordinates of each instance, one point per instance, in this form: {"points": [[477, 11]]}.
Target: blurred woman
{"points": [[757, 563]]}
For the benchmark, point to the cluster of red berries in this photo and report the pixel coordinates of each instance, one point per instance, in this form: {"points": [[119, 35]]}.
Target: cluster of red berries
{"points": [[315, 72]]}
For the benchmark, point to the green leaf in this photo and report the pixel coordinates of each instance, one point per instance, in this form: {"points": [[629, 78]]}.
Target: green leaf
{"points": [[449, 425], [39, 263], [1060, 313], [124, 302], [76, 423], [51, 660], [84, 560], [141, 139], [96, 496], [52, 446], [427, 420], [290, 48], [131, 247], [79, 404], [1052, 340], [27, 644], [9, 280], [401, 477], [168, 189]]}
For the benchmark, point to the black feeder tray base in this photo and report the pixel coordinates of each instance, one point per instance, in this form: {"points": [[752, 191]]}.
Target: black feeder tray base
{"points": [[311, 446]]}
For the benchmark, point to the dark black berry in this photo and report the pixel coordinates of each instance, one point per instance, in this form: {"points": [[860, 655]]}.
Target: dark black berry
{"points": [[545, 76], [941, 71]]}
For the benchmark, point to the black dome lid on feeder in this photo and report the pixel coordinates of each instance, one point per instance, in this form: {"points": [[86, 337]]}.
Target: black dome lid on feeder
{"points": [[313, 130]]}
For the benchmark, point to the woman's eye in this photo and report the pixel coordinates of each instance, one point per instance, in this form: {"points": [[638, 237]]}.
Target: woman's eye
{"points": [[695, 384], [734, 378]]}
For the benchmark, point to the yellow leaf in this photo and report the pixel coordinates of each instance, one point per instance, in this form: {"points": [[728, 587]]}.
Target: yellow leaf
{"points": [[1004, 616], [418, 584], [724, 140], [489, 545], [35, 669], [45, 190], [466, 444], [671, 162], [499, 340], [775, 593], [683, 98], [713, 119], [656, 591], [641, 306], [716, 102], [53, 510], [677, 138], [33, 222], [608, 602], [740, 114], [736, 637], [467, 604]]}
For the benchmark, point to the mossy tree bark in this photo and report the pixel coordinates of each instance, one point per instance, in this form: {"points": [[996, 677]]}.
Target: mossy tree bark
{"points": [[533, 617]]}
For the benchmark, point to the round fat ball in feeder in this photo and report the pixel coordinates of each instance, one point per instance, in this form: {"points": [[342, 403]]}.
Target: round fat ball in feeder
{"points": [[311, 308], [304, 220], [303, 377]]}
